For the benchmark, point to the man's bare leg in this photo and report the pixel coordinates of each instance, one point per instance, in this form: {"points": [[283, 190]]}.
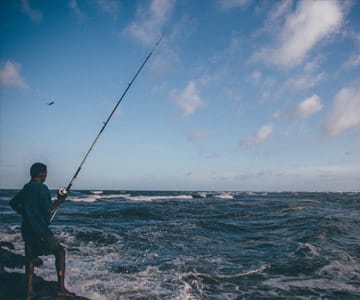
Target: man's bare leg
{"points": [[29, 269], [60, 269]]}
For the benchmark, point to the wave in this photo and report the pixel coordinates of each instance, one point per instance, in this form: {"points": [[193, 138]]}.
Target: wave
{"points": [[225, 195], [100, 195], [292, 208], [93, 198], [96, 192], [307, 248], [157, 197], [199, 195], [193, 274], [261, 269]]}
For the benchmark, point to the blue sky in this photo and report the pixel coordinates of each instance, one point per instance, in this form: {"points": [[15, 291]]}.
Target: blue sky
{"points": [[240, 94]]}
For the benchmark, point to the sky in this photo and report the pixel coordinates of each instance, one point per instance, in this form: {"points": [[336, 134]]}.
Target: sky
{"points": [[240, 95]]}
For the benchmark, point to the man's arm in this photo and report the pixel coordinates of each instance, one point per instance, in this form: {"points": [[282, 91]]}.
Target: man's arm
{"points": [[17, 204]]}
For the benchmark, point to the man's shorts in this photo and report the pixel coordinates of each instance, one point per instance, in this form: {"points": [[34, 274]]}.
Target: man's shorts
{"points": [[46, 245]]}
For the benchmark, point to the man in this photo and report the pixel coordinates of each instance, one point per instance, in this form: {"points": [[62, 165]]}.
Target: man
{"points": [[34, 203]]}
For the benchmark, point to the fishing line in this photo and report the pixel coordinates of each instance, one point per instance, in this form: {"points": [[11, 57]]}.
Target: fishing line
{"points": [[65, 191]]}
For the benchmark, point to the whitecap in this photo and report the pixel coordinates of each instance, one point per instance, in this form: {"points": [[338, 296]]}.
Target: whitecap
{"points": [[94, 198], [261, 269], [153, 198], [224, 196], [96, 192], [309, 247], [292, 208]]}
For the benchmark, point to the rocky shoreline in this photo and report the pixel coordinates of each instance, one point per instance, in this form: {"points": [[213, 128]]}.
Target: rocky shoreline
{"points": [[13, 284]]}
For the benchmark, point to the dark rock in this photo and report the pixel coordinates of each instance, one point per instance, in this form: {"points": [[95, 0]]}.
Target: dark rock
{"points": [[13, 285], [10, 259]]}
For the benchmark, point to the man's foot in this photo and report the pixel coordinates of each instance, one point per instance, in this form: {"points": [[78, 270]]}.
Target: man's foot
{"points": [[65, 293], [30, 295]]}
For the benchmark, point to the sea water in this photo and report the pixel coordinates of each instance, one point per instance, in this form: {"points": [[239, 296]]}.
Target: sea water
{"points": [[203, 245]]}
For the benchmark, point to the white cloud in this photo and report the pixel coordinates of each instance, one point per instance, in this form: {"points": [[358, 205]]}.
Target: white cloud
{"points": [[34, 14], [108, 6], [188, 100], [200, 134], [150, 20], [256, 76], [302, 30], [167, 62], [262, 135], [230, 4], [353, 61], [280, 9], [309, 106], [305, 81], [314, 64], [73, 5], [345, 112], [10, 75]]}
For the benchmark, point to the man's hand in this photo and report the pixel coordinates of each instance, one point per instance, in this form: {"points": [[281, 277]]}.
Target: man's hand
{"points": [[61, 198]]}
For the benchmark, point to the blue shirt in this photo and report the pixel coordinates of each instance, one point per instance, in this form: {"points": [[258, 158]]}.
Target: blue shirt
{"points": [[35, 199]]}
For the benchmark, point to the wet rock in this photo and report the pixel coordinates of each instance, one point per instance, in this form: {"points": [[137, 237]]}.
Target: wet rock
{"points": [[13, 284]]}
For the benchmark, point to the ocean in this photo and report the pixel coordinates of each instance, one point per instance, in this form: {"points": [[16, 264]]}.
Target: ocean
{"points": [[203, 245]]}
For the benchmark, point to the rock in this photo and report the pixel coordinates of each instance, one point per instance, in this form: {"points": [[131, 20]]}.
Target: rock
{"points": [[13, 284], [13, 287], [8, 258]]}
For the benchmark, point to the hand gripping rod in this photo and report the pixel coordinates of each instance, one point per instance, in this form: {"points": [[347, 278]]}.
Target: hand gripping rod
{"points": [[64, 191]]}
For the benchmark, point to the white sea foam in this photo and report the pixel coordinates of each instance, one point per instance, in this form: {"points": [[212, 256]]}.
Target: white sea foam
{"points": [[94, 198], [309, 247], [200, 195], [292, 208], [286, 283], [350, 267], [83, 199], [96, 192], [261, 269], [224, 196], [153, 198], [250, 193]]}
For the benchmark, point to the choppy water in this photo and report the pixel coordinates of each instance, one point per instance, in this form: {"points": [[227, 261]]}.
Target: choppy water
{"points": [[182, 245]]}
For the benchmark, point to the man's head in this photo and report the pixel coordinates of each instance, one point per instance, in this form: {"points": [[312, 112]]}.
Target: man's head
{"points": [[38, 171]]}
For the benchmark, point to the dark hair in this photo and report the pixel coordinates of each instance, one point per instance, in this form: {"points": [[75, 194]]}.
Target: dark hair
{"points": [[36, 169]]}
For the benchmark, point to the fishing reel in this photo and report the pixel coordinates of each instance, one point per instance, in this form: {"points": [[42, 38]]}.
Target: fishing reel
{"points": [[62, 193]]}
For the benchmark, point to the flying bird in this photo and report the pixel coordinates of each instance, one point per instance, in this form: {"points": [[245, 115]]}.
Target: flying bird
{"points": [[51, 103]]}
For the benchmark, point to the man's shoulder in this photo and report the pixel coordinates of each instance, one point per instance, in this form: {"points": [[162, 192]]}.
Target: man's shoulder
{"points": [[35, 185]]}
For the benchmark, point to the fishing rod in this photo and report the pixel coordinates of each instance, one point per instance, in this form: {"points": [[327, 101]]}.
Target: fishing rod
{"points": [[64, 191]]}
